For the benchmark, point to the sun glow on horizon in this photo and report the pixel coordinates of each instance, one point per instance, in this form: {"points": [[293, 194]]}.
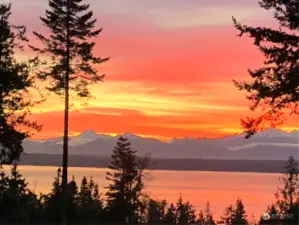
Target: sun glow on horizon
{"points": [[164, 79]]}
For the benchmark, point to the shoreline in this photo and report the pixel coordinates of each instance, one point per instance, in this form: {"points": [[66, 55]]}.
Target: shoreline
{"points": [[204, 165]]}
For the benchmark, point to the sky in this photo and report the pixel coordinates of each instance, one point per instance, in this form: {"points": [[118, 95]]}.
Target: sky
{"points": [[170, 71]]}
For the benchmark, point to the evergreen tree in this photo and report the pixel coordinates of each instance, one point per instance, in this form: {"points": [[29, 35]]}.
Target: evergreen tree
{"points": [[156, 212], [287, 195], [239, 216], [17, 203], [201, 220], [69, 44], [52, 201], [96, 205], [126, 180], [142, 213], [72, 210], [270, 217], [84, 195], [89, 203], [4, 204], [235, 215], [275, 85], [206, 217], [15, 83], [227, 216], [170, 216], [185, 212]]}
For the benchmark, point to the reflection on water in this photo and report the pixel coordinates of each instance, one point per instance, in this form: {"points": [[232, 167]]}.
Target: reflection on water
{"points": [[219, 188]]}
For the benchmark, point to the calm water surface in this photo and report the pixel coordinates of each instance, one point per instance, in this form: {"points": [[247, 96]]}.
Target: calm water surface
{"points": [[219, 188]]}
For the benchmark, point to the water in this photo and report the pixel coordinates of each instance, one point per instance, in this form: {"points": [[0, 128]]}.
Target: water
{"points": [[219, 188]]}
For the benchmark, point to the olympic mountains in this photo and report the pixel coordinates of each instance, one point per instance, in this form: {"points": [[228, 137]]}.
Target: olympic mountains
{"points": [[270, 144]]}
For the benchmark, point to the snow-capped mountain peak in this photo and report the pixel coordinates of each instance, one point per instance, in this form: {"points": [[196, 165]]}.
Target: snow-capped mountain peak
{"points": [[265, 145], [129, 135], [272, 133], [89, 134]]}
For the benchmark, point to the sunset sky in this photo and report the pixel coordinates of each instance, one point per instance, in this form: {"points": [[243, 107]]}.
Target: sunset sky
{"points": [[171, 68]]}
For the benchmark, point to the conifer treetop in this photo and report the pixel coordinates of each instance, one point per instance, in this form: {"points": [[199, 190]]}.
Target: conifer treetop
{"points": [[82, 41]]}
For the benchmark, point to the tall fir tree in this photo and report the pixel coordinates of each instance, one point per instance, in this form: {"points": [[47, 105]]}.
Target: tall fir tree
{"points": [[15, 83], [239, 216], [127, 182], [235, 214], [227, 216], [70, 44], [288, 193], [275, 85], [206, 217], [72, 204], [89, 203], [52, 201], [96, 205], [170, 216], [287, 196], [185, 212]]}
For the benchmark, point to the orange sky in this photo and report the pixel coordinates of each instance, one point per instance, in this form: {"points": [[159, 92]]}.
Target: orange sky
{"points": [[171, 68]]}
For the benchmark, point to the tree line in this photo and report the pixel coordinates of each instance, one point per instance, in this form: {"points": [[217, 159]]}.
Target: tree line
{"points": [[125, 201]]}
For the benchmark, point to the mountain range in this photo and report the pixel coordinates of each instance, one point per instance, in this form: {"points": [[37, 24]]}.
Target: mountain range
{"points": [[270, 144]]}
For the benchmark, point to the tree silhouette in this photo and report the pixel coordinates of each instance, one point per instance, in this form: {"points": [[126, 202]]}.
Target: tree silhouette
{"points": [[72, 210], [127, 182], [206, 217], [270, 217], [52, 201], [89, 203], [226, 218], [15, 83], [71, 68], [275, 85], [156, 212], [17, 203], [235, 214], [185, 212], [287, 196], [170, 216], [239, 216]]}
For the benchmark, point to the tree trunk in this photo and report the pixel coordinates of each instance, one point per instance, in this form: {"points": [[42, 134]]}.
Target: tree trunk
{"points": [[66, 124]]}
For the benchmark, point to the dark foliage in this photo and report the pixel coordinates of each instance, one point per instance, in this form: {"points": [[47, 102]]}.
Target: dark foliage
{"points": [[127, 182], [71, 68], [206, 217], [89, 203], [275, 85], [156, 212], [185, 212], [70, 43], [235, 214], [15, 83], [286, 209], [287, 195], [170, 216], [19, 205]]}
